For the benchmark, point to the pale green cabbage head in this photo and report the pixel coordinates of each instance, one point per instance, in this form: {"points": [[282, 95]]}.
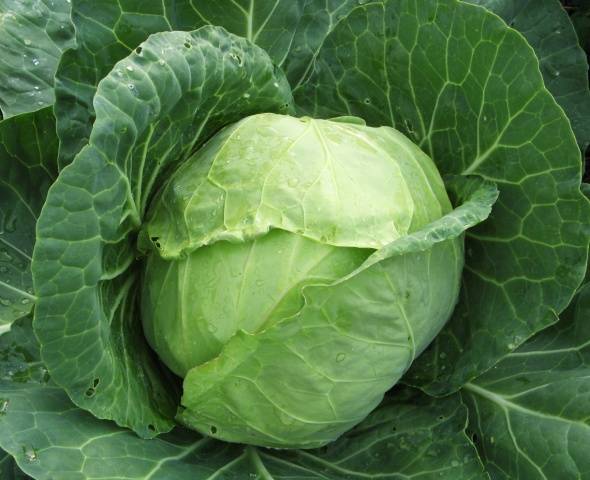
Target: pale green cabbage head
{"points": [[269, 211]]}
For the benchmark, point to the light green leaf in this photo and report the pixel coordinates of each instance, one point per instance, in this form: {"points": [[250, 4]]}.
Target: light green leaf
{"points": [[306, 379], [547, 27], [33, 35], [309, 177], [531, 412], [28, 166], [435, 70], [153, 110]]}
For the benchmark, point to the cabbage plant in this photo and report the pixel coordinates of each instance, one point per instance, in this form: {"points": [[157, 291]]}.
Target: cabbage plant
{"points": [[293, 239]]}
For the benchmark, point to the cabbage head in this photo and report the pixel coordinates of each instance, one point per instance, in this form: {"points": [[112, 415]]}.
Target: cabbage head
{"points": [[262, 289]]}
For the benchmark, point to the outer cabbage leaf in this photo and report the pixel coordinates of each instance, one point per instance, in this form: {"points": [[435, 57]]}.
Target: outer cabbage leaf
{"points": [[51, 438], [187, 318], [108, 31], [153, 110], [468, 89], [308, 378], [547, 27], [33, 35], [530, 414], [28, 166]]}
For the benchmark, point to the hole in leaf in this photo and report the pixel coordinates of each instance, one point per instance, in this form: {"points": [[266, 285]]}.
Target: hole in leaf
{"points": [[96, 382], [138, 50], [236, 58], [151, 428], [187, 44], [90, 392], [213, 429]]}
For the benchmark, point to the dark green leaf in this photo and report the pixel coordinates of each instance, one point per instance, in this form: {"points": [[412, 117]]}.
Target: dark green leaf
{"points": [[28, 158], [531, 412], [33, 35], [548, 29]]}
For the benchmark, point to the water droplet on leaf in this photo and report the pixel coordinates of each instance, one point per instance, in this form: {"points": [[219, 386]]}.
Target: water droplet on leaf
{"points": [[30, 454]]}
